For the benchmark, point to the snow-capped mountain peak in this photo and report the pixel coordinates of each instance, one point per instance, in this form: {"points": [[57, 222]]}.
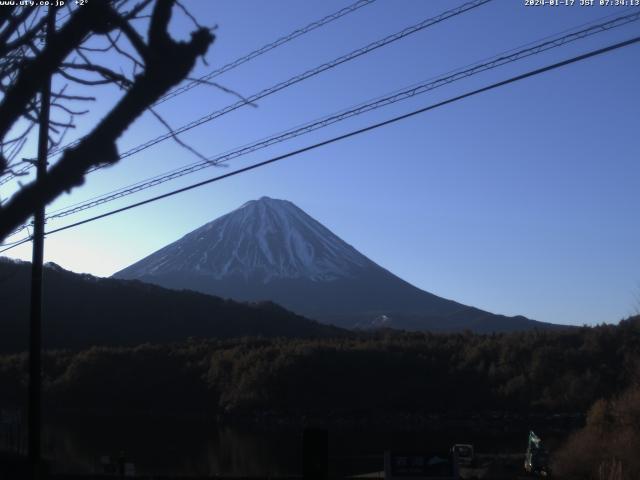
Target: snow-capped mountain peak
{"points": [[269, 249], [264, 239]]}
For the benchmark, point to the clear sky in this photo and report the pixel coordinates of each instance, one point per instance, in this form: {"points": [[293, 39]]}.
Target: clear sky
{"points": [[524, 200]]}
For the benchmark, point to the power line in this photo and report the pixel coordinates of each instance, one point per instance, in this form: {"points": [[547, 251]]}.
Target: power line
{"points": [[534, 43], [353, 133], [296, 79], [14, 244], [306, 75], [262, 50], [229, 66], [407, 93]]}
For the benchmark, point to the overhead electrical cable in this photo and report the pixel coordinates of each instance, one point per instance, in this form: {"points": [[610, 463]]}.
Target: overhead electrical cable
{"points": [[398, 96], [262, 50], [296, 79], [604, 26], [15, 244], [353, 133], [307, 74], [231, 65]]}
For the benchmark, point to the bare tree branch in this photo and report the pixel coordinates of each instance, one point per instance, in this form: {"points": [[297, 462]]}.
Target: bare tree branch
{"points": [[175, 137], [166, 63], [106, 73], [224, 89], [29, 81]]}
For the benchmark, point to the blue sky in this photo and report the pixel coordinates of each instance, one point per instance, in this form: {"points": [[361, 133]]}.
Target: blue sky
{"points": [[523, 200]]}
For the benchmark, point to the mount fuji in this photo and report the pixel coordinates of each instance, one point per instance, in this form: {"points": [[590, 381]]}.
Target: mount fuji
{"points": [[272, 250]]}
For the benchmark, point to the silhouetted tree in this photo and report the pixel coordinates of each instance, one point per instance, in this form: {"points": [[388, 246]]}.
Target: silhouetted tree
{"points": [[158, 63], [363, 374]]}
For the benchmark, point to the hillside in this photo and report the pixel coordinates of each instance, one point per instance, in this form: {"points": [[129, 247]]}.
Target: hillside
{"points": [[270, 249], [373, 374], [82, 310]]}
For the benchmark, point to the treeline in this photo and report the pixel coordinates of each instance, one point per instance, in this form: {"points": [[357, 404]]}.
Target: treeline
{"points": [[537, 371], [82, 310], [607, 447]]}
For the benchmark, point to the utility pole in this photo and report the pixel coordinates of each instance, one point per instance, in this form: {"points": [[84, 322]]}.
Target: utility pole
{"points": [[35, 320]]}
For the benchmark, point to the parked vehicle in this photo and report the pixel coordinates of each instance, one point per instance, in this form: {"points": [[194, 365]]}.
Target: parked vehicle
{"points": [[464, 452]]}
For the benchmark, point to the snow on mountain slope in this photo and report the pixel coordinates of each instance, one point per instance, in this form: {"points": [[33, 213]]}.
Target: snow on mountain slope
{"points": [[271, 250], [264, 239]]}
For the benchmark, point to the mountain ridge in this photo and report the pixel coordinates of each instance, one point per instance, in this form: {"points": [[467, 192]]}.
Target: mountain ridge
{"points": [[81, 310], [269, 249], [328, 257]]}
